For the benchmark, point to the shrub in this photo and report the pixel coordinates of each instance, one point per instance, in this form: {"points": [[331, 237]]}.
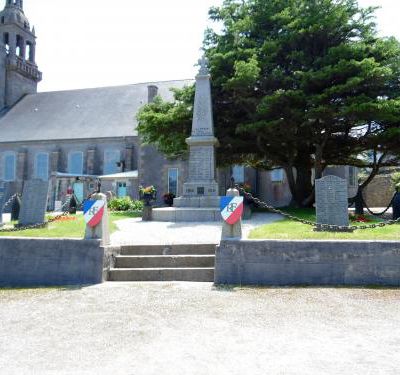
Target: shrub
{"points": [[396, 180], [125, 204]]}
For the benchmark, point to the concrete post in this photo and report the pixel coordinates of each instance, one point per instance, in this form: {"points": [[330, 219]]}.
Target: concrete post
{"points": [[235, 230], [100, 231]]}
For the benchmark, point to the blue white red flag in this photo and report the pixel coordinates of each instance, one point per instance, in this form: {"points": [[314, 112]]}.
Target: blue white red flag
{"points": [[93, 212], [231, 209]]}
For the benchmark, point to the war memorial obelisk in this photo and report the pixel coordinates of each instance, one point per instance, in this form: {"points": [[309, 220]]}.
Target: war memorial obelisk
{"points": [[200, 200]]}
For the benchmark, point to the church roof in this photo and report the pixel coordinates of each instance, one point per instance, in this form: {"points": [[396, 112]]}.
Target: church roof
{"points": [[105, 112]]}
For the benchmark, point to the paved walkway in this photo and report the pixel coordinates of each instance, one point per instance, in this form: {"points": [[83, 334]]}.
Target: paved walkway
{"points": [[165, 233], [196, 329]]}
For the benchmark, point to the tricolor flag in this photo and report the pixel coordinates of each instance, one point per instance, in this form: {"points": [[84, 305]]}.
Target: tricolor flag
{"points": [[93, 211], [231, 209]]}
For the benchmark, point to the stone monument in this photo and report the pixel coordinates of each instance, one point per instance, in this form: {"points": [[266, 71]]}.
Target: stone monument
{"points": [[202, 143], [200, 200], [34, 202], [331, 197]]}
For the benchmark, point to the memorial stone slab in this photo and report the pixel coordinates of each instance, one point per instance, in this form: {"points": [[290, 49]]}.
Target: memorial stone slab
{"points": [[331, 197], [34, 202]]}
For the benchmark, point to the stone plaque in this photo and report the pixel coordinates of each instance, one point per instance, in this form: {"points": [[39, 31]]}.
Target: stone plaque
{"points": [[34, 202], [331, 197], [201, 163]]}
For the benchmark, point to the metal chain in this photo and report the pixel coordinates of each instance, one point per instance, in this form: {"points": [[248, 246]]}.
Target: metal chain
{"points": [[51, 220], [376, 213], [9, 201], [311, 223], [40, 225]]}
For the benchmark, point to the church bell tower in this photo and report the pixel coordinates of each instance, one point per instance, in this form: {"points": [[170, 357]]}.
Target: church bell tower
{"points": [[19, 74]]}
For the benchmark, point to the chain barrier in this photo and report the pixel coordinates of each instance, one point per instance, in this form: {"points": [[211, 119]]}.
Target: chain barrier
{"points": [[9, 202], [328, 227], [380, 213], [40, 225], [50, 220]]}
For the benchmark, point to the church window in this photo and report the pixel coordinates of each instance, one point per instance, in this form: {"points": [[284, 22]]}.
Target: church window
{"points": [[19, 46], [6, 41], [75, 163], [42, 166], [28, 51], [111, 158], [277, 175], [173, 181], [238, 173], [9, 163]]}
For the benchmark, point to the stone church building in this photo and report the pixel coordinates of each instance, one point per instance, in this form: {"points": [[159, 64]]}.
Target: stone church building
{"points": [[72, 138]]}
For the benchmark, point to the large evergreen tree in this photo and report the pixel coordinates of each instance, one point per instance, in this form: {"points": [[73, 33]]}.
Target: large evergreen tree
{"points": [[297, 84]]}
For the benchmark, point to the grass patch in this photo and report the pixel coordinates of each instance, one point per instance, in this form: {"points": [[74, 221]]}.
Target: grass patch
{"points": [[290, 230], [70, 228]]}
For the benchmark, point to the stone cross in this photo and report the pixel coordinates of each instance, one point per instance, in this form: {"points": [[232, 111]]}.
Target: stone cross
{"points": [[203, 62]]}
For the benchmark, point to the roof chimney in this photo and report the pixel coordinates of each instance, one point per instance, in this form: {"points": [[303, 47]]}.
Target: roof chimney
{"points": [[152, 92]]}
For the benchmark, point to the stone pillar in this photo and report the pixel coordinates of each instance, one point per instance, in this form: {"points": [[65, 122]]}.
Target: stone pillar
{"points": [[100, 231], [228, 230], [91, 157]]}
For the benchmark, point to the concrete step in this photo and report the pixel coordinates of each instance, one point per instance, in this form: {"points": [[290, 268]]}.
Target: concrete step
{"points": [[205, 274], [186, 214], [164, 261], [192, 249]]}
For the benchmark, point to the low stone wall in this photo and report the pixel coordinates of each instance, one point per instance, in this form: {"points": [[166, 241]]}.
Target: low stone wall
{"points": [[281, 263], [46, 262]]}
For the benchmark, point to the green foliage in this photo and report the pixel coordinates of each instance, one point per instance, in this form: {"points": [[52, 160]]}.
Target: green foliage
{"points": [[125, 204], [166, 125], [291, 81], [396, 180]]}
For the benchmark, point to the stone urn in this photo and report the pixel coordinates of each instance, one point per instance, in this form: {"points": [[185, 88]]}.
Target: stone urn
{"points": [[148, 198]]}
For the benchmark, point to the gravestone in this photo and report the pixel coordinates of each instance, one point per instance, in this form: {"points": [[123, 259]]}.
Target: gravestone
{"points": [[34, 202], [3, 195], [331, 198]]}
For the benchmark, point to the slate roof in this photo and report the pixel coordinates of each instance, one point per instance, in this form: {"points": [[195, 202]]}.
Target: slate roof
{"points": [[104, 112]]}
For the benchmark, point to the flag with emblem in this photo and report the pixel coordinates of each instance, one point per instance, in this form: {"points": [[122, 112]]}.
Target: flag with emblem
{"points": [[231, 209], [93, 212]]}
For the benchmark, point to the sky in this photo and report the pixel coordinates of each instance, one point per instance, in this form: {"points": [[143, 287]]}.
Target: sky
{"points": [[94, 43]]}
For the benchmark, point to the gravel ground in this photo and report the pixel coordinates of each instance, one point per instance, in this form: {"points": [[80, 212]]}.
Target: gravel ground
{"points": [[166, 233], [194, 328]]}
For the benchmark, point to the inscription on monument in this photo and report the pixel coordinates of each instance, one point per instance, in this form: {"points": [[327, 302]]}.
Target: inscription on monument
{"points": [[200, 163], [331, 198], [34, 202]]}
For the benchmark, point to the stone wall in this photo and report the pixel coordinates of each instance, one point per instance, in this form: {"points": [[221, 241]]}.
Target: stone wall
{"points": [[46, 262], [281, 263], [379, 192]]}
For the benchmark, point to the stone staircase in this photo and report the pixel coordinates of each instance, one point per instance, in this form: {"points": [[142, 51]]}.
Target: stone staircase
{"points": [[164, 263]]}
